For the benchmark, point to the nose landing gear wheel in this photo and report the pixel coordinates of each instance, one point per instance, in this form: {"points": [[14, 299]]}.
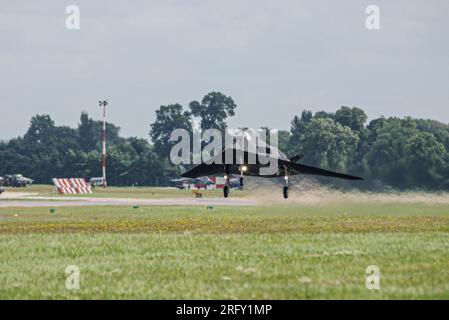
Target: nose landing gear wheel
{"points": [[285, 192], [226, 191]]}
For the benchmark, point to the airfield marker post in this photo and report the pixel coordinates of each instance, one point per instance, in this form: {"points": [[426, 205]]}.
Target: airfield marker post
{"points": [[104, 104]]}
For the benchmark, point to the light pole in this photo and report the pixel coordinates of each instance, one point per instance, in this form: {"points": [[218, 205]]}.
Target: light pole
{"points": [[103, 104]]}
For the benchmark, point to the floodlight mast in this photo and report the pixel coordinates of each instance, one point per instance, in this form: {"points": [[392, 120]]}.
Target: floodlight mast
{"points": [[103, 104]]}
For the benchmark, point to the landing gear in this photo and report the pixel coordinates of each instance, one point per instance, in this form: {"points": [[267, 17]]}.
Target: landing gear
{"points": [[226, 186], [243, 168], [285, 192], [285, 189], [226, 191]]}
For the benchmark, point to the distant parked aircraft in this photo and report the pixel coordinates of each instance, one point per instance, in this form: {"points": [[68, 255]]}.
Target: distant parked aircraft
{"points": [[15, 180]]}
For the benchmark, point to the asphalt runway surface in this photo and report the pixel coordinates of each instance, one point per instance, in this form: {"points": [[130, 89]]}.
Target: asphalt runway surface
{"points": [[80, 202]]}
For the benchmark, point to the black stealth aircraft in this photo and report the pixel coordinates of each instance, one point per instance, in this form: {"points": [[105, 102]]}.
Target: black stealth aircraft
{"points": [[241, 155]]}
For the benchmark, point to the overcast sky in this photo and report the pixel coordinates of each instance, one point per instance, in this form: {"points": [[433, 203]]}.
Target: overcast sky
{"points": [[275, 58]]}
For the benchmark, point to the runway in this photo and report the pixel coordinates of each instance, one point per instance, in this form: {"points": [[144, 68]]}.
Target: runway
{"points": [[80, 202]]}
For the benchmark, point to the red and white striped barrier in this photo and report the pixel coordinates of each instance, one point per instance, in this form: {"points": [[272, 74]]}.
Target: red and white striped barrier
{"points": [[72, 185], [219, 182]]}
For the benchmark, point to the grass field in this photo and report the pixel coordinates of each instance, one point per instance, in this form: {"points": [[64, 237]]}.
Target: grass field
{"points": [[288, 251]]}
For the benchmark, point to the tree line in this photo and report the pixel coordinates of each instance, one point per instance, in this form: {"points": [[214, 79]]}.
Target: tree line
{"points": [[402, 153]]}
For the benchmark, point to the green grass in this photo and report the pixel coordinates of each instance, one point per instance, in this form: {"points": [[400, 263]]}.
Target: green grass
{"points": [[290, 251]]}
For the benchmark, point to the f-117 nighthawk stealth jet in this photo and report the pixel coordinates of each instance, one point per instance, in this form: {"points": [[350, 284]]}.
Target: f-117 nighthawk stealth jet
{"points": [[245, 158]]}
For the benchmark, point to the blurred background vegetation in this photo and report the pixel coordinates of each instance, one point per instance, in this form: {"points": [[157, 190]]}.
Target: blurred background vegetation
{"points": [[400, 153]]}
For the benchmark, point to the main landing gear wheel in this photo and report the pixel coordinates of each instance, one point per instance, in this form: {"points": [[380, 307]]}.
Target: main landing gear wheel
{"points": [[285, 192], [226, 191]]}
